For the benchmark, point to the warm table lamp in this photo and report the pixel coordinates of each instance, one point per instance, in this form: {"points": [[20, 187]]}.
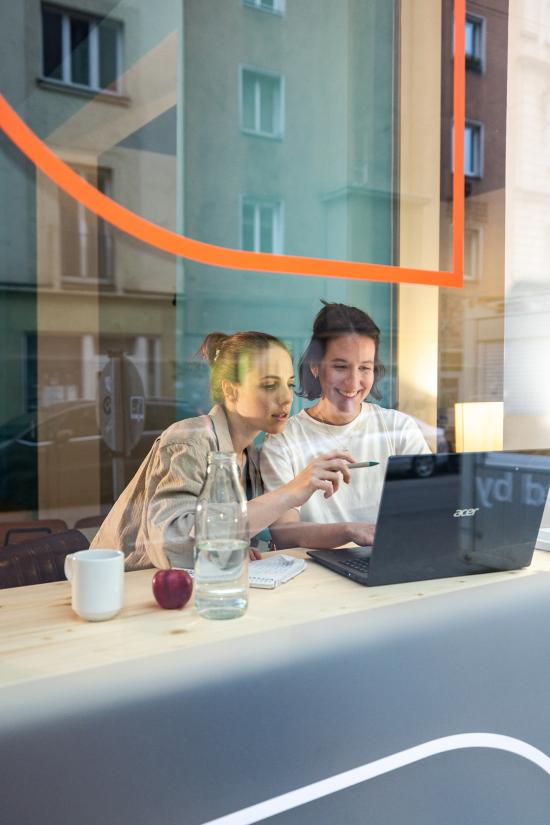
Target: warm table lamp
{"points": [[479, 426]]}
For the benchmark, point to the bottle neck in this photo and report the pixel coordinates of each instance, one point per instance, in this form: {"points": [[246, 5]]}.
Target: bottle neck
{"points": [[223, 472]]}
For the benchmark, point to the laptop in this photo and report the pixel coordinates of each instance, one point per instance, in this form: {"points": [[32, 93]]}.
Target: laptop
{"points": [[476, 513]]}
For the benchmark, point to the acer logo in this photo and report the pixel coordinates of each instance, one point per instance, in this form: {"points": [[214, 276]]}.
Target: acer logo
{"points": [[463, 513]]}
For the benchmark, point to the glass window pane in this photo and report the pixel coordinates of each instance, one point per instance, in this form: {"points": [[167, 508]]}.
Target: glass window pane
{"points": [[70, 262], [80, 59], [266, 228], [471, 253], [51, 44], [105, 256], [108, 37], [248, 101], [268, 100], [248, 227], [470, 38], [468, 150]]}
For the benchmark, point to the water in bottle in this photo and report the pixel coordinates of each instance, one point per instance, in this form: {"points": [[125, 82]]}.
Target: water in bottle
{"points": [[221, 575]]}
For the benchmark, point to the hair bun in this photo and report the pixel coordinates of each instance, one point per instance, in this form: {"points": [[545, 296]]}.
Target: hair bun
{"points": [[210, 347]]}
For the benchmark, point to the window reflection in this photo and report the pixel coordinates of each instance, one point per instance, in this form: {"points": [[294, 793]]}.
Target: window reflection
{"points": [[292, 138], [81, 49]]}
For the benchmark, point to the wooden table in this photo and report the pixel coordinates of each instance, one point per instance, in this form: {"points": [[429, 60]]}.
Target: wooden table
{"points": [[163, 717], [41, 636]]}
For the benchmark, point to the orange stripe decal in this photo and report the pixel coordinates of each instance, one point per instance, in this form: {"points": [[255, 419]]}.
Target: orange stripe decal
{"points": [[459, 119], [168, 241]]}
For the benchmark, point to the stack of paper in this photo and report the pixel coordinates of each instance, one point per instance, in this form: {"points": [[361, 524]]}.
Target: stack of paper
{"points": [[273, 571]]}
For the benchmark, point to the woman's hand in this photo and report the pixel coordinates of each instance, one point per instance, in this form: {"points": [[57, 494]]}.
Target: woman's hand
{"points": [[254, 553], [323, 473], [361, 533]]}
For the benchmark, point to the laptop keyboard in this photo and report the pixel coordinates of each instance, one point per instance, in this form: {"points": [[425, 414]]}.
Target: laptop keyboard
{"points": [[362, 565]]}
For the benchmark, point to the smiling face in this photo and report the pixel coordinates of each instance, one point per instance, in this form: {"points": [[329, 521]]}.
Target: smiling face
{"points": [[263, 397], [346, 375]]}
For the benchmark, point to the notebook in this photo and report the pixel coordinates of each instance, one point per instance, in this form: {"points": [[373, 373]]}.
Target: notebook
{"points": [[273, 571], [478, 513]]}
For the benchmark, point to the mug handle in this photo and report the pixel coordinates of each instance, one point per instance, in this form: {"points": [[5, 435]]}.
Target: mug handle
{"points": [[68, 567]]}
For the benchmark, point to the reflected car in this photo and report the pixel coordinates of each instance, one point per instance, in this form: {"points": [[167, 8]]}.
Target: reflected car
{"points": [[428, 464], [66, 448]]}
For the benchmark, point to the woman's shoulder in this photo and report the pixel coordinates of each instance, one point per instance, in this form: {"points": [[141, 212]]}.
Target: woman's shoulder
{"points": [[188, 432], [390, 415]]}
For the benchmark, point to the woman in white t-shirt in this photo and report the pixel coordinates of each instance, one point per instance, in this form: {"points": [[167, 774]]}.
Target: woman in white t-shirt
{"points": [[340, 367]]}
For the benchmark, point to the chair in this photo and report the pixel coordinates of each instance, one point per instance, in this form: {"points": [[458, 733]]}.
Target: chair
{"points": [[89, 521], [39, 560], [15, 532]]}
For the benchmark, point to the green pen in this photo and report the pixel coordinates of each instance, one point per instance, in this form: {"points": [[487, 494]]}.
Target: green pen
{"points": [[360, 464]]}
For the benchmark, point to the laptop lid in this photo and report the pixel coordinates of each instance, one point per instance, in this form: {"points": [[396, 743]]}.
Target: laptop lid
{"points": [[478, 512]]}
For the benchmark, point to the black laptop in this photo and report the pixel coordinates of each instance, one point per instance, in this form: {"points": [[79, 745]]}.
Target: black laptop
{"points": [[478, 513]]}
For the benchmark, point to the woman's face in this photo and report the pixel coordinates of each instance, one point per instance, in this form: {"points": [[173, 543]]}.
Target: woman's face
{"points": [[265, 393], [346, 374]]}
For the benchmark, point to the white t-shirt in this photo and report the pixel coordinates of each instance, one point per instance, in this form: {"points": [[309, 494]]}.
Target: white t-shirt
{"points": [[374, 435]]}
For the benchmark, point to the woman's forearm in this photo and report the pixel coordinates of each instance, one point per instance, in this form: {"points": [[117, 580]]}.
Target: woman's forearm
{"points": [[320, 536], [265, 509]]}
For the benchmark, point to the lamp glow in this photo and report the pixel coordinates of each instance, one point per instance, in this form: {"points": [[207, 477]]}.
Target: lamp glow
{"points": [[479, 425]]}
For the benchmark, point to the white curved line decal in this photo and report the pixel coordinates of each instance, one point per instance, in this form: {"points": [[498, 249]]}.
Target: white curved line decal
{"points": [[293, 799]]}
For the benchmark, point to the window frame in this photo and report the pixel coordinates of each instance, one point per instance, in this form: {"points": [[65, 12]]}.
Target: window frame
{"points": [[256, 5], [279, 119], [94, 21], [277, 205], [104, 279], [477, 230], [476, 62], [477, 170]]}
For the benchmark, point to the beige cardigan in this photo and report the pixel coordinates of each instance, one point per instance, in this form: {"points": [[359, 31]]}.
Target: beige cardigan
{"points": [[152, 520]]}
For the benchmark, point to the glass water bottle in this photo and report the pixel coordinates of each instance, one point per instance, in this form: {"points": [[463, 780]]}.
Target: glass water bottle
{"points": [[221, 541]]}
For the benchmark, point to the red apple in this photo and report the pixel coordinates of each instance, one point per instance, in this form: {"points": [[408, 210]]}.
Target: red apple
{"points": [[172, 588]]}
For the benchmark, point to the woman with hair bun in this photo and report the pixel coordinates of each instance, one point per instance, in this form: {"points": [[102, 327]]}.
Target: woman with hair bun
{"points": [[252, 384], [339, 370]]}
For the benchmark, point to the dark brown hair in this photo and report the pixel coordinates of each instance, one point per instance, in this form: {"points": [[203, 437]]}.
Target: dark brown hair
{"points": [[332, 321], [229, 356]]}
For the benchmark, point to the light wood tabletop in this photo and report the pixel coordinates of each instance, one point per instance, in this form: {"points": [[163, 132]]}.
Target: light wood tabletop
{"points": [[41, 636]]}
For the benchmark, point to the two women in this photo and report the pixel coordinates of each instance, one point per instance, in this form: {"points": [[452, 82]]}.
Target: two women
{"points": [[252, 383], [304, 458]]}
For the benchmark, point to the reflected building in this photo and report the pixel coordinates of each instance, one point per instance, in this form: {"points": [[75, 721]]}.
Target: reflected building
{"points": [[241, 124], [73, 288], [282, 154], [471, 330]]}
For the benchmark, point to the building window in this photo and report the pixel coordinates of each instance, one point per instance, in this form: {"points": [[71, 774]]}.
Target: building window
{"points": [[474, 43], [274, 6], [261, 103], [81, 50], [473, 150], [473, 251], [261, 225], [86, 242]]}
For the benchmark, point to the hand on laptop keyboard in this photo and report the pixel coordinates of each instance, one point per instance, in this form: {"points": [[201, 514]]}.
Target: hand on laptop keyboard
{"points": [[361, 533]]}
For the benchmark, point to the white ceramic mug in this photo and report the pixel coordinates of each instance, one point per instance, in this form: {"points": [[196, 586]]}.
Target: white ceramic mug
{"points": [[97, 583]]}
